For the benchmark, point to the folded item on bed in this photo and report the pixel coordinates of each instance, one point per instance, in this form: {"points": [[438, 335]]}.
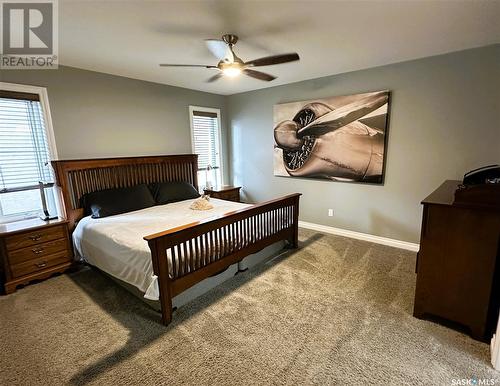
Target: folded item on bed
{"points": [[202, 203]]}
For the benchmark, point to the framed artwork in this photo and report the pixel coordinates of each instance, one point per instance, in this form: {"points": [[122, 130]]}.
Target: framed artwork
{"points": [[340, 138]]}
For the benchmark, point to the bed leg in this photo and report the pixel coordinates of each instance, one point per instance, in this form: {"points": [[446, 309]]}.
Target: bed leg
{"points": [[294, 242], [165, 301], [166, 316], [160, 268], [165, 298]]}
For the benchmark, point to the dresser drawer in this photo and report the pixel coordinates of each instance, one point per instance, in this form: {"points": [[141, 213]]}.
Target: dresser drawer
{"points": [[37, 251], [35, 237], [39, 264]]}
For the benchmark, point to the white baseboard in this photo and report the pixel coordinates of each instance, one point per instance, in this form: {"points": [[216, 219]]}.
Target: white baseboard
{"points": [[360, 236]]}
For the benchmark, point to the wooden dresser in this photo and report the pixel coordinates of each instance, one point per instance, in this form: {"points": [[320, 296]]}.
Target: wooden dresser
{"points": [[33, 249], [458, 264], [230, 193]]}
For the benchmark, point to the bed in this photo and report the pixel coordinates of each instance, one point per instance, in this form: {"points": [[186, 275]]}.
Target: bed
{"points": [[165, 250], [116, 246]]}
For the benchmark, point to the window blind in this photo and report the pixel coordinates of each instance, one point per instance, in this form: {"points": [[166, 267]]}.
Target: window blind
{"points": [[24, 151], [206, 139]]}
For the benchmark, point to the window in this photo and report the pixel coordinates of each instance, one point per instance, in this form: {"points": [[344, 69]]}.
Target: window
{"points": [[206, 139], [25, 153]]}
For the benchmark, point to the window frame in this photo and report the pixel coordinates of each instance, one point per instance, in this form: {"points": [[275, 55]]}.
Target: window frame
{"points": [[44, 101], [51, 141], [216, 111]]}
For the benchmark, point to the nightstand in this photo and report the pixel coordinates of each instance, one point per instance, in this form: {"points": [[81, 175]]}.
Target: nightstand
{"points": [[33, 249], [230, 193]]}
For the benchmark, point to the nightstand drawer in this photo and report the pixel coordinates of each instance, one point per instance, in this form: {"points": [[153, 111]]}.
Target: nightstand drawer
{"points": [[233, 197], [228, 193], [36, 237], [39, 264], [37, 251]]}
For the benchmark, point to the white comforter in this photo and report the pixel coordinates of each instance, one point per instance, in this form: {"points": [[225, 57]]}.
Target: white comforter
{"points": [[115, 244]]}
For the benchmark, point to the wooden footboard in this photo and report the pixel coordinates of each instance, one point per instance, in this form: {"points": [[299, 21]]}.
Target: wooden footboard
{"points": [[188, 254]]}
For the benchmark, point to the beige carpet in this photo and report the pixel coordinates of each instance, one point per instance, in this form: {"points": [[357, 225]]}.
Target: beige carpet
{"points": [[337, 311]]}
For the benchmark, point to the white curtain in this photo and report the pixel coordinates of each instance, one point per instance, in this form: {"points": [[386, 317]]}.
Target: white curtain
{"points": [[495, 348]]}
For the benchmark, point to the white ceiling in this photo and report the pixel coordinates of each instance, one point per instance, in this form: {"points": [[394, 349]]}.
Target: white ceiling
{"points": [[130, 38]]}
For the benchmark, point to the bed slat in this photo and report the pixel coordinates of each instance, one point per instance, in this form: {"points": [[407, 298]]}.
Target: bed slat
{"points": [[78, 177]]}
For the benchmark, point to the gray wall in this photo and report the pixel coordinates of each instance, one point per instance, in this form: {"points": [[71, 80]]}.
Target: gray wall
{"points": [[100, 115], [444, 121]]}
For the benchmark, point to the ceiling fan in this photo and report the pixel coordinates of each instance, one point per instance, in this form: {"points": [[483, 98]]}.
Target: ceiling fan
{"points": [[231, 65]]}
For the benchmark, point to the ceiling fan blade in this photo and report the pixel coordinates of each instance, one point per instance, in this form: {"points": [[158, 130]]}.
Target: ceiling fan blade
{"points": [[215, 77], [186, 65], [259, 75], [275, 59], [220, 50]]}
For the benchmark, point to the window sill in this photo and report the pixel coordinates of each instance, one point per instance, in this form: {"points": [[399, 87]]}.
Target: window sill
{"points": [[16, 218]]}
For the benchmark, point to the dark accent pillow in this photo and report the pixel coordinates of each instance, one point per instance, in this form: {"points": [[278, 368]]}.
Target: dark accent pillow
{"points": [[115, 201], [168, 192]]}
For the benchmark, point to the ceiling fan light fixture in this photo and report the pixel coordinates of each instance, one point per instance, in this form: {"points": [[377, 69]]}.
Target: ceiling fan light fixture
{"points": [[231, 72], [231, 66]]}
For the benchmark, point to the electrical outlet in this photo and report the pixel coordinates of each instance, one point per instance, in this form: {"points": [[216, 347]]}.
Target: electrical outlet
{"points": [[330, 212]]}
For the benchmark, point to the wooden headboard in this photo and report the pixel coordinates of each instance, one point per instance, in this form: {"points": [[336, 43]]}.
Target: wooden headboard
{"points": [[77, 177]]}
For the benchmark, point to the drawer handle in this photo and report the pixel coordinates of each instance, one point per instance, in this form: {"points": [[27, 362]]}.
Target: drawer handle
{"points": [[37, 251], [42, 264], [36, 237]]}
